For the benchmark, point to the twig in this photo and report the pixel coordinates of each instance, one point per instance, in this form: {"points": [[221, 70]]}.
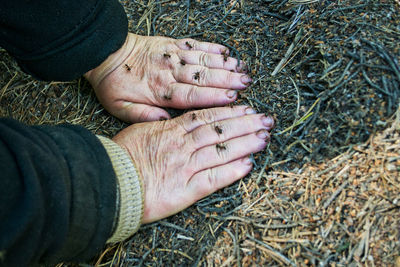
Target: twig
{"points": [[235, 243], [325, 95], [207, 202], [4, 89], [237, 247], [298, 96], [297, 18], [223, 18], [187, 14], [175, 251], [301, 120], [288, 52], [263, 168], [276, 226], [335, 194], [338, 81], [273, 251], [150, 249], [374, 85], [331, 67], [173, 226], [259, 102], [393, 64]]}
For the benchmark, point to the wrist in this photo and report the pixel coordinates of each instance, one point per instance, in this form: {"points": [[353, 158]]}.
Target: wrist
{"points": [[96, 76], [130, 192]]}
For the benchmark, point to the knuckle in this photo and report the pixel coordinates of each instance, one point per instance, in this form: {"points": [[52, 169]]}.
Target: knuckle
{"points": [[194, 43], [185, 121], [229, 77], [183, 126], [194, 138], [189, 116], [203, 74], [165, 95], [200, 76], [144, 114], [206, 115], [191, 94], [203, 59]]}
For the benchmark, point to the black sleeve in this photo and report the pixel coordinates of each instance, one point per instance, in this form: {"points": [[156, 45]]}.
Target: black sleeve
{"points": [[61, 39], [57, 194]]}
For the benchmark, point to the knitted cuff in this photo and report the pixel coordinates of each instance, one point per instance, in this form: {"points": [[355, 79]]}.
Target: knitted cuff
{"points": [[130, 191]]}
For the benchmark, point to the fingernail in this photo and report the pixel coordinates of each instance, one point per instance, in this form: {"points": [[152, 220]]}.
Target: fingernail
{"points": [[246, 79], [267, 121], [231, 93], [246, 161], [249, 111], [263, 134]]}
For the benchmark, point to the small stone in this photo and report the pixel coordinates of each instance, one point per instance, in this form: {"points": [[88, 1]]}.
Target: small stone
{"points": [[391, 167]]}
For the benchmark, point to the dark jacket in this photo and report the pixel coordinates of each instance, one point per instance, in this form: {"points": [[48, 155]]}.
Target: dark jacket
{"points": [[61, 39], [57, 185]]}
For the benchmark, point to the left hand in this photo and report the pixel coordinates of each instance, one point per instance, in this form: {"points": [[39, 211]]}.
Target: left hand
{"points": [[189, 157]]}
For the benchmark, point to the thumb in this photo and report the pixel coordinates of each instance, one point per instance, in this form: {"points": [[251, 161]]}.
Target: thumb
{"points": [[134, 112]]}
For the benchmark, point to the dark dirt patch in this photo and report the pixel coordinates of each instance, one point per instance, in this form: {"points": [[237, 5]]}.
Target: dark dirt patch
{"points": [[339, 83]]}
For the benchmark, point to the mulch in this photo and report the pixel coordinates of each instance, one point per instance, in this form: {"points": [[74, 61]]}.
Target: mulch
{"points": [[342, 212], [325, 189]]}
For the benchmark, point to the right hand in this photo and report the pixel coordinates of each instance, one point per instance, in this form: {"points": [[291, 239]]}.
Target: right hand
{"points": [[151, 72]]}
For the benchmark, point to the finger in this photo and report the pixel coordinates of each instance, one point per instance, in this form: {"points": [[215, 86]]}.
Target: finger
{"points": [[224, 130], [208, 181], [191, 120], [191, 96], [133, 112], [205, 77], [191, 44], [209, 60], [219, 154]]}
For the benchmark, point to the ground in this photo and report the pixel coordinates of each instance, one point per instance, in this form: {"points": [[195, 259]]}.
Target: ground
{"points": [[328, 72]]}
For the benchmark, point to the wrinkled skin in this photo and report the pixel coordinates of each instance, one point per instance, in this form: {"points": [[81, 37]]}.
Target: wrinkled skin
{"points": [[151, 72], [187, 158]]}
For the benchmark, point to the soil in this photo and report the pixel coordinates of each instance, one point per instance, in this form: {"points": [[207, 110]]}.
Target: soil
{"points": [[327, 71]]}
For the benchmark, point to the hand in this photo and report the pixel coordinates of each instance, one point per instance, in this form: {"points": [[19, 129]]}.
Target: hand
{"points": [[151, 72], [187, 158]]}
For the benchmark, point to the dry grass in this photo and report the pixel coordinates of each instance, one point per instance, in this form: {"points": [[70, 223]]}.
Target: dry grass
{"points": [[35, 102], [327, 96], [345, 211]]}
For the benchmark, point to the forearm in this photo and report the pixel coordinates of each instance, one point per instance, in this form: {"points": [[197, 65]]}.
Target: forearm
{"points": [[61, 40], [63, 194]]}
